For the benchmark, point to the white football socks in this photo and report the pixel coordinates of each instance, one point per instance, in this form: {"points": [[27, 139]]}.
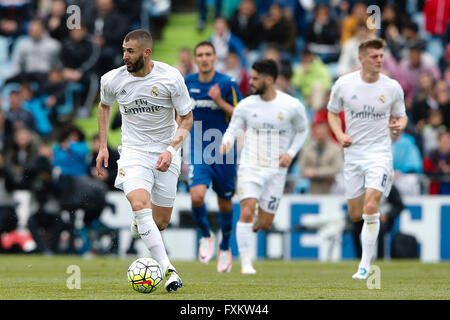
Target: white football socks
{"points": [[150, 234], [369, 236], [245, 239]]}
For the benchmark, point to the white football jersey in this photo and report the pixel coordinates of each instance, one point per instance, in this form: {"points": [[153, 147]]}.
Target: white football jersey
{"points": [[368, 108], [147, 104], [271, 128]]}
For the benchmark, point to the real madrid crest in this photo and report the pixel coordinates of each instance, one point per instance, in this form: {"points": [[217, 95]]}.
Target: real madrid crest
{"points": [[121, 173], [280, 116], [382, 99], [154, 92]]}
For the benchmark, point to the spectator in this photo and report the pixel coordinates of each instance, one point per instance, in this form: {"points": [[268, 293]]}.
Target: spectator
{"points": [[14, 16], [246, 25], [17, 115], [390, 17], [410, 36], [395, 41], [24, 148], [279, 29], [224, 41], [432, 130], [349, 58], [313, 80], [322, 35], [237, 72], [79, 56], [34, 55], [44, 104], [203, 12], [284, 83], [437, 166], [350, 23], [443, 99], [423, 101], [53, 96], [55, 21], [186, 63], [407, 163], [321, 160], [108, 28], [413, 65]]}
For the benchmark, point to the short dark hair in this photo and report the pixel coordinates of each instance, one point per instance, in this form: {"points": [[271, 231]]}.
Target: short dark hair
{"points": [[141, 36], [205, 43], [267, 67]]}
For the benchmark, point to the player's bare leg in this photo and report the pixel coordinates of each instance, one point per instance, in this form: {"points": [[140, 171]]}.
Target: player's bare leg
{"points": [[150, 234], [245, 235], [369, 232], [264, 220], [355, 208], [162, 216], [206, 243]]}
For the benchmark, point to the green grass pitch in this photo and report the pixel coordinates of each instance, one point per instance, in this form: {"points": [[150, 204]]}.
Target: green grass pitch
{"points": [[35, 277]]}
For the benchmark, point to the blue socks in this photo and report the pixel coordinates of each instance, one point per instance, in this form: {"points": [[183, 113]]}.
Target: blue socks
{"points": [[200, 216], [226, 225], [201, 219]]}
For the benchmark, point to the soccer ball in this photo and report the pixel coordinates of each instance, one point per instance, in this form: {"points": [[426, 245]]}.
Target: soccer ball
{"points": [[145, 275]]}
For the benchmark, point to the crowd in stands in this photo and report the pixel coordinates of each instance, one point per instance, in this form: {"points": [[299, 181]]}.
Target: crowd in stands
{"points": [[49, 77]]}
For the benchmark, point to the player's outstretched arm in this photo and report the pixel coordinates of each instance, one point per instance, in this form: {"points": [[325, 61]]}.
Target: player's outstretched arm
{"points": [[335, 124], [184, 127], [104, 115]]}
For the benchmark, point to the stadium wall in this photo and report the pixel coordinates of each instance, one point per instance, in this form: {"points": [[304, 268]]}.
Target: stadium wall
{"points": [[305, 227]]}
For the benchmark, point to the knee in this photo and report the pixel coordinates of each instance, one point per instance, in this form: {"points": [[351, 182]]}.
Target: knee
{"points": [[371, 207], [225, 206], [197, 200], [246, 214], [138, 204]]}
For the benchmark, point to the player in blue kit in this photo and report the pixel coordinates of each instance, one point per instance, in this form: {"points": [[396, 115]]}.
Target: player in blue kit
{"points": [[214, 96]]}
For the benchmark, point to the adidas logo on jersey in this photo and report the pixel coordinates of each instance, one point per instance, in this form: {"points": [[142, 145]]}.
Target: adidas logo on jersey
{"points": [[354, 97], [123, 92]]}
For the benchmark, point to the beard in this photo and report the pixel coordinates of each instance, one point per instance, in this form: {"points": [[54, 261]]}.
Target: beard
{"points": [[136, 66], [258, 90]]}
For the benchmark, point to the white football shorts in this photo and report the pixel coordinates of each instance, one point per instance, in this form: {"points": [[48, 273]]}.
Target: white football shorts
{"points": [[136, 170], [377, 174], [265, 186]]}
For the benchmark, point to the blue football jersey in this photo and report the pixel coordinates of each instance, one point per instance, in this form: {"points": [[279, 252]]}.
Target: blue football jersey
{"points": [[210, 122]]}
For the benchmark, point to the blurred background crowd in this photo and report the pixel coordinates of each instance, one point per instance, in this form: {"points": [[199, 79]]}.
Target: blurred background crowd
{"points": [[49, 78]]}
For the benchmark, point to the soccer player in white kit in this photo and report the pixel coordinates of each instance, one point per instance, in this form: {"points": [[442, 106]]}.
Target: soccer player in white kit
{"points": [[276, 127], [148, 93], [373, 104]]}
